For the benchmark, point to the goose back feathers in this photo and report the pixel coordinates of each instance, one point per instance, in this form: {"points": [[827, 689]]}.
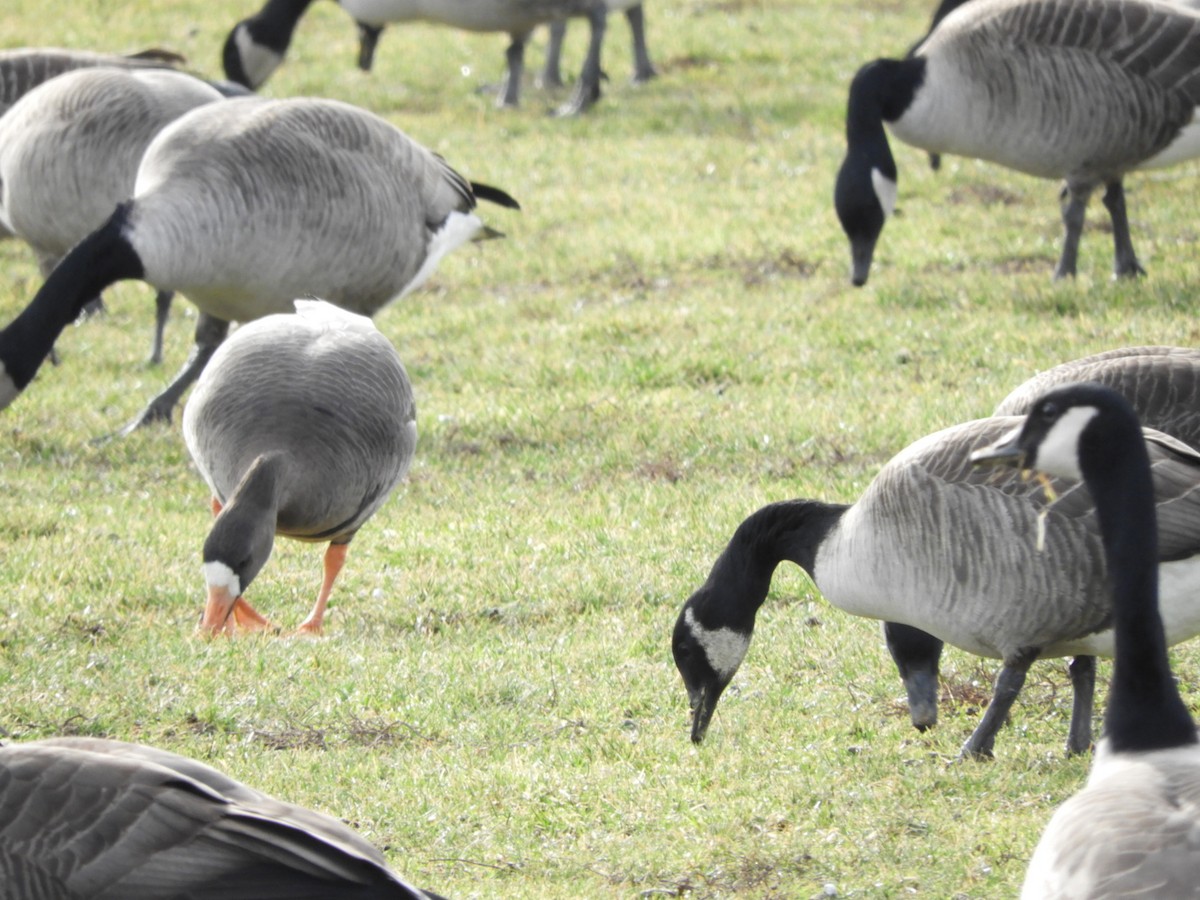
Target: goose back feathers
{"points": [[1019, 83], [937, 545], [85, 817]]}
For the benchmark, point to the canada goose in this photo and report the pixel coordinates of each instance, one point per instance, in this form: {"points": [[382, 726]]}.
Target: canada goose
{"points": [[69, 153], [257, 45], [643, 69], [1131, 830], [1163, 386], [1082, 90], [935, 544], [359, 215], [301, 425], [103, 819]]}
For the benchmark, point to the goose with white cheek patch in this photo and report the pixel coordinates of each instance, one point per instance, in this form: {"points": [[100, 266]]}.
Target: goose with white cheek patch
{"points": [[1080, 90], [953, 552], [302, 425], [244, 205], [1134, 830], [108, 820]]}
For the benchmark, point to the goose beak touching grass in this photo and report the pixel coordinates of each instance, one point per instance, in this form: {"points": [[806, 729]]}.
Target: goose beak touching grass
{"points": [[1079, 90], [949, 552], [107, 820], [302, 425], [1132, 830]]}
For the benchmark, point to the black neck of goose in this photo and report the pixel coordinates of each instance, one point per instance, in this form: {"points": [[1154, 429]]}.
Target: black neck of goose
{"points": [[881, 92], [99, 260], [275, 23], [790, 530], [1145, 710]]}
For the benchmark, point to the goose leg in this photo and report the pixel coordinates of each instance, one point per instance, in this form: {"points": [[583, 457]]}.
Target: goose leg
{"points": [[587, 89], [368, 40], [552, 70], [917, 655], [210, 332], [510, 91], [643, 69], [1008, 685], [1083, 681], [1074, 200], [162, 309], [335, 558], [1125, 262]]}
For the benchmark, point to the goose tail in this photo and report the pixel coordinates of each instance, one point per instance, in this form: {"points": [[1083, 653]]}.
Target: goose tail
{"points": [[494, 195], [99, 260]]}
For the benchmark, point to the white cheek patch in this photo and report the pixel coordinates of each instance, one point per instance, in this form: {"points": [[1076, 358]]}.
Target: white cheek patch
{"points": [[1058, 453], [219, 575], [257, 61], [458, 229], [885, 192], [724, 647], [8, 387]]}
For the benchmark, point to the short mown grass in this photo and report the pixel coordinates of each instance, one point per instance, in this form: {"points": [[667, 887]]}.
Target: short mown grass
{"points": [[665, 341]]}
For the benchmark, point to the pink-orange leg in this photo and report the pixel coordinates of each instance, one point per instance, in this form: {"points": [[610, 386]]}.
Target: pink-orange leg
{"points": [[335, 558]]}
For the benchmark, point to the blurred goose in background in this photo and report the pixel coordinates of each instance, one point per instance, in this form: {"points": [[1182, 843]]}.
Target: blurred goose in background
{"points": [[1163, 386], [935, 544], [302, 425], [257, 45], [360, 214], [107, 820], [1132, 830], [69, 153], [643, 68], [1023, 83]]}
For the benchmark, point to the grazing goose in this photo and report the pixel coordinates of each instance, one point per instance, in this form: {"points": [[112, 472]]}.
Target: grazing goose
{"points": [[1163, 385], [107, 820], [242, 206], [69, 153], [643, 69], [301, 425], [1023, 83], [935, 544], [257, 45], [1132, 830]]}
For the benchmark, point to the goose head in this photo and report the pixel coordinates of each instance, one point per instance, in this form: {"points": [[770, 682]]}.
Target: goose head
{"points": [[707, 656], [256, 46], [864, 194]]}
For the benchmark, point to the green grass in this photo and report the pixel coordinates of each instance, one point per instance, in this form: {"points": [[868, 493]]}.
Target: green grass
{"points": [[666, 340]]}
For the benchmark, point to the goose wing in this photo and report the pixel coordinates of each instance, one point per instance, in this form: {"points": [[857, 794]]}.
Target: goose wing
{"points": [[103, 820]]}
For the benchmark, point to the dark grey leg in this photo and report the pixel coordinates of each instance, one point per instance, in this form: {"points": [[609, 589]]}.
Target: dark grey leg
{"points": [[916, 655], [162, 309], [1008, 685], [1083, 681], [210, 332], [1074, 204], [552, 71], [1125, 261], [587, 90], [510, 91], [643, 69]]}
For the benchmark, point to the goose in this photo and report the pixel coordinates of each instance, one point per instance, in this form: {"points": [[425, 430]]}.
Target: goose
{"points": [[1131, 831], [69, 153], [257, 45], [1163, 385], [937, 545], [643, 68], [106, 819], [1079, 90], [301, 424], [243, 205]]}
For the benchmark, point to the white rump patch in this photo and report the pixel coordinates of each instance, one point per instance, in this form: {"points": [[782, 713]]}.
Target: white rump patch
{"points": [[458, 229], [885, 192], [217, 574], [724, 647], [8, 387], [1058, 453]]}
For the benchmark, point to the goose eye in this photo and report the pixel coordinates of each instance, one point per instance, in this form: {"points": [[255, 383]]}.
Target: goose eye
{"points": [[1048, 411]]}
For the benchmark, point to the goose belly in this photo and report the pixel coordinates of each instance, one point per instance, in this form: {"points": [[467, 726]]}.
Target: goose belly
{"points": [[469, 15]]}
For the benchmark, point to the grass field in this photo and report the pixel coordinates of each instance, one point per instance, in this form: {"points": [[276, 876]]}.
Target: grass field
{"points": [[666, 340]]}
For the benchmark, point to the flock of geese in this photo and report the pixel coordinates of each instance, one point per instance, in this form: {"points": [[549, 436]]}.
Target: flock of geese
{"points": [[115, 168]]}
